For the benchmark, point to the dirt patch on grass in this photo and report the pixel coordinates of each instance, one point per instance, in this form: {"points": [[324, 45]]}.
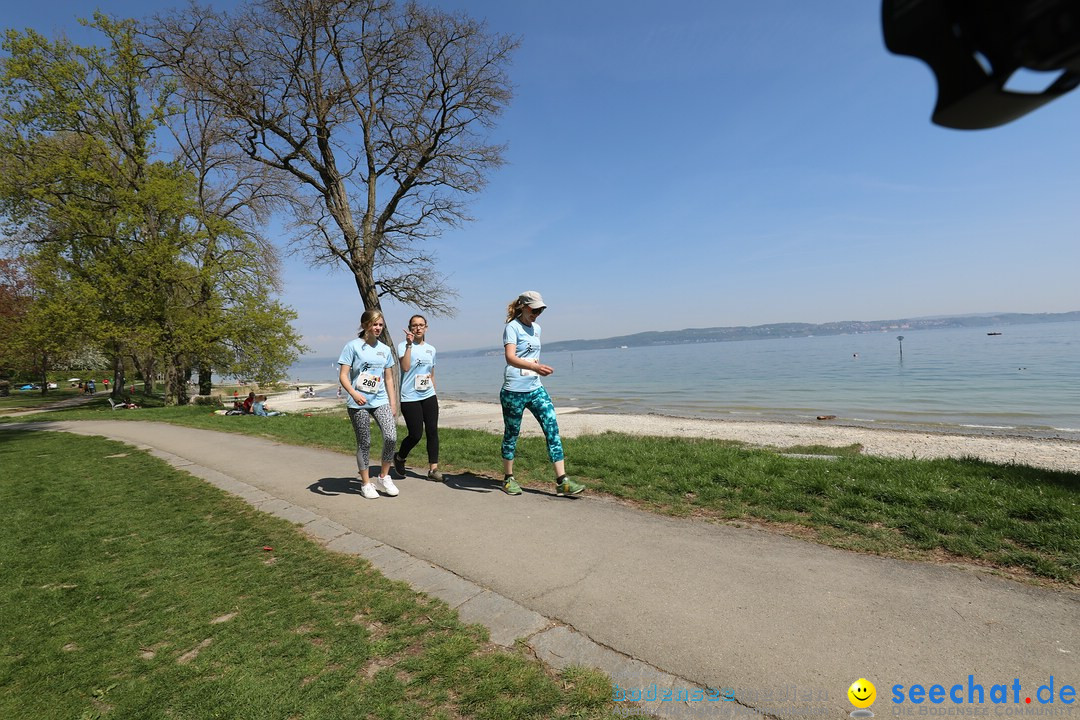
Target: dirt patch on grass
{"points": [[194, 652], [372, 668]]}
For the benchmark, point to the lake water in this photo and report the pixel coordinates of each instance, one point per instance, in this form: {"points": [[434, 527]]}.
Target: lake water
{"points": [[1026, 380]]}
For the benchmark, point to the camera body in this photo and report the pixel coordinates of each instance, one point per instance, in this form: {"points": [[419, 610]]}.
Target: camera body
{"points": [[975, 46]]}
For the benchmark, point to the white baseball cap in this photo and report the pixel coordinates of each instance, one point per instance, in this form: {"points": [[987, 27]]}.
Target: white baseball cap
{"points": [[532, 299]]}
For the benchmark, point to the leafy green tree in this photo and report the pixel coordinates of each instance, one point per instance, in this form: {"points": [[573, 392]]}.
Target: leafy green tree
{"points": [[81, 190], [15, 299], [59, 319], [38, 309], [76, 127]]}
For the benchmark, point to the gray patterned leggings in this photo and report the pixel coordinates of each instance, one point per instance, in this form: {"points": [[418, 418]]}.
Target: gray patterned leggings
{"points": [[361, 423], [539, 403]]}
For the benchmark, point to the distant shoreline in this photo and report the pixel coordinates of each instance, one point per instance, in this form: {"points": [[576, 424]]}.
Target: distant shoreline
{"points": [[777, 331], [780, 417], [1050, 453], [955, 382], [292, 397], [915, 427]]}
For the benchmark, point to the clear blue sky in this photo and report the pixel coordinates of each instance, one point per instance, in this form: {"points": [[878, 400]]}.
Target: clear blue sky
{"points": [[694, 163]]}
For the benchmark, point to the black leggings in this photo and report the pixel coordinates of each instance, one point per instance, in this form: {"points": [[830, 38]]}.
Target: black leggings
{"points": [[420, 416]]}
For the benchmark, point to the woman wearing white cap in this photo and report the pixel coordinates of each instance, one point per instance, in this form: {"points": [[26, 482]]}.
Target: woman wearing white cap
{"points": [[522, 389]]}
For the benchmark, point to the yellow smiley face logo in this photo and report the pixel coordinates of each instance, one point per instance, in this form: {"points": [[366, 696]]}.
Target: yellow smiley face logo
{"points": [[862, 693]]}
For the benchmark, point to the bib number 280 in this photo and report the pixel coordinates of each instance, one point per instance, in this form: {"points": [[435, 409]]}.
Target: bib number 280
{"points": [[368, 383]]}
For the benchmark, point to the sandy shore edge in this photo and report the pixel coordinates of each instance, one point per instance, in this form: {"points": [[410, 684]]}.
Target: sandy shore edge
{"points": [[1050, 454]]}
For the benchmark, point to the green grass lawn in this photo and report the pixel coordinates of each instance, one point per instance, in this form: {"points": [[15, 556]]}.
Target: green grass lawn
{"points": [[129, 589], [33, 399], [22, 399], [1017, 518]]}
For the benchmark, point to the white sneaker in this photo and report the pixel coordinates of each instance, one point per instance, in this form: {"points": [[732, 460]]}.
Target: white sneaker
{"points": [[368, 491], [386, 484]]}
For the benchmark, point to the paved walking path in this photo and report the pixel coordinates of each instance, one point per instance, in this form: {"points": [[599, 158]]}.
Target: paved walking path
{"points": [[651, 599], [65, 404]]}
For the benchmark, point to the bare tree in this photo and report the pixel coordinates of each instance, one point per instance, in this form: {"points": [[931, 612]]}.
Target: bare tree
{"points": [[236, 197], [378, 112]]}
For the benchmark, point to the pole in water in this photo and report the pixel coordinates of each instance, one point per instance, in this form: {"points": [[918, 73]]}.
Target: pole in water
{"points": [[901, 339]]}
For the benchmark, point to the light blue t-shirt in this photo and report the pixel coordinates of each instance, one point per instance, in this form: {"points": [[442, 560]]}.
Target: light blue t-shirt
{"points": [[416, 384], [367, 368], [526, 341]]}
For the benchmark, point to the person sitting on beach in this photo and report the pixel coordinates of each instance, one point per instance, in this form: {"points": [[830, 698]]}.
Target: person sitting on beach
{"points": [[259, 407], [522, 389], [248, 402]]}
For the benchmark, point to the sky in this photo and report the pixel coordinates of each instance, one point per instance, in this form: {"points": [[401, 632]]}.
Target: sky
{"points": [[700, 163]]}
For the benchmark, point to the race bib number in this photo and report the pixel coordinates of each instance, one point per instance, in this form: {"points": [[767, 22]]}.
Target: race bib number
{"points": [[368, 383], [422, 383]]}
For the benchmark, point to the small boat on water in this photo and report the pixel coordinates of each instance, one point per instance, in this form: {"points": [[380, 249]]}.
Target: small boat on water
{"points": [[993, 333]]}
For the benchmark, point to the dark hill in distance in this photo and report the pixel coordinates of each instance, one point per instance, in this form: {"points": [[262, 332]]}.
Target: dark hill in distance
{"points": [[789, 330]]}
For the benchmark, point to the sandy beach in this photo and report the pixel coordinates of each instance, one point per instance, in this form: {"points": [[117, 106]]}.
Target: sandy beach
{"points": [[1050, 454]]}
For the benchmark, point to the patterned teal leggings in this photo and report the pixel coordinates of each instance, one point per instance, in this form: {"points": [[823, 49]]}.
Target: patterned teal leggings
{"points": [[540, 405]]}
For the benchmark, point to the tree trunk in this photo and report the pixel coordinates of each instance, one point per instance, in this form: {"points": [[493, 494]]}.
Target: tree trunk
{"points": [[365, 284], [205, 373], [118, 375], [44, 373], [146, 369], [138, 371], [176, 381]]}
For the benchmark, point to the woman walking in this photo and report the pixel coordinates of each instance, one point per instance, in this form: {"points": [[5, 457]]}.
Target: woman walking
{"points": [[522, 389], [419, 405], [364, 362]]}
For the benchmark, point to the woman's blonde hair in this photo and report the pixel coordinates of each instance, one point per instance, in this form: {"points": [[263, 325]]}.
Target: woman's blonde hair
{"points": [[514, 308], [367, 318]]}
